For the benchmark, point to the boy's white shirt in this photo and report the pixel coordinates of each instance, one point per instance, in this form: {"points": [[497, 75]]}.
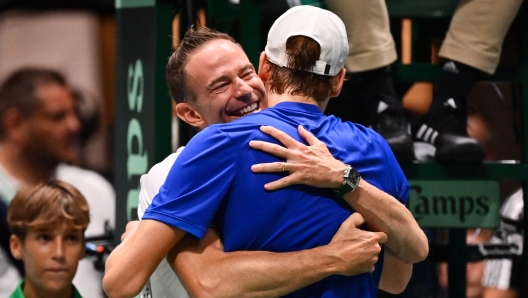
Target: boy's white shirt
{"points": [[163, 283]]}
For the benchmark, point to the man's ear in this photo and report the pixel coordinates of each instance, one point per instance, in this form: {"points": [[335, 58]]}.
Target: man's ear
{"points": [[16, 247], [188, 113], [13, 124], [263, 69], [337, 83]]}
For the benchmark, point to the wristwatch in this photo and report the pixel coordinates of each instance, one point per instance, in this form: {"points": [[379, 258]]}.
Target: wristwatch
{"points": [[351, 182]]}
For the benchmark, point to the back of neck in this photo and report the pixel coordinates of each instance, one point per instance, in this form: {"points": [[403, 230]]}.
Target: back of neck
{"points": [[274, 99]]}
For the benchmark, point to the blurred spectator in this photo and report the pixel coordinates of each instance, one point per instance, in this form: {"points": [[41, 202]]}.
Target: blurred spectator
{"points": [[38, 132], [4, 237], [503, 278], [48, 223], [499, 276], [8, 264], [474, 270], [79, 44], [89, 114]]}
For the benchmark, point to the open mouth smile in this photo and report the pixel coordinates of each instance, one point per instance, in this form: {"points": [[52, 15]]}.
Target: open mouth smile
{"points": [[247, 110]]}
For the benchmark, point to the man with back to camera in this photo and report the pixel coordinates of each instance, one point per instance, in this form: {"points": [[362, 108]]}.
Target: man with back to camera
{"points": [[273, 279], [38, 131], [214, 272], [406, 241]]}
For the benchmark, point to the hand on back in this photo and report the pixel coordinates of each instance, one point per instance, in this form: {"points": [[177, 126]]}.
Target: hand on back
{"points": [[311, 165], [358, 249]]}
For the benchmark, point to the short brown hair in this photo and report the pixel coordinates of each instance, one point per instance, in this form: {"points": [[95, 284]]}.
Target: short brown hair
{"points": [[47, 204], [19, 90], [175, 75], [303, 53]]}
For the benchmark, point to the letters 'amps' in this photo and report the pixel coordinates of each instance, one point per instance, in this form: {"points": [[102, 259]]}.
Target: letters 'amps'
{"points": [[455, 204]]}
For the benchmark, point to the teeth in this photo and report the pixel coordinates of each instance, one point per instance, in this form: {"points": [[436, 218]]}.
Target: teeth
{"points": [[248, 109]]}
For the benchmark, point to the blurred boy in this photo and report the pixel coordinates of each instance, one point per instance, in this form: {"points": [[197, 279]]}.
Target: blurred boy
{"points": [[47, 222]]}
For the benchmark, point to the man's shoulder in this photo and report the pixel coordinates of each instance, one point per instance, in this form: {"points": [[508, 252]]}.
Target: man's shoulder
{"points": [[84, 179], [168, 161], [73, 173], [359, 131], [159, 171], [357, 128], [214, 137], [153, 180], [254, 118], [246, 124]]}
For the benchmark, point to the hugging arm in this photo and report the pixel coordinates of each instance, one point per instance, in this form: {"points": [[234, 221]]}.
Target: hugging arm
{"points": [[314, 165], [133, 261], [395, 274], [207, 271]]}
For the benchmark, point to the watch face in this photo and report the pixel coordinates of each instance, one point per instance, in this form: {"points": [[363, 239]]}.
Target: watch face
{"points": [[353, 178], [351, 182]]}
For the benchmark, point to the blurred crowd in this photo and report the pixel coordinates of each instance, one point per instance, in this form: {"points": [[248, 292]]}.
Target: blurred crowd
{"points": [[57, 92]]}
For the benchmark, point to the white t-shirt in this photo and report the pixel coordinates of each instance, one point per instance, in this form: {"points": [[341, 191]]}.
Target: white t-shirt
{"points": [[101, 198], [163, 283]]}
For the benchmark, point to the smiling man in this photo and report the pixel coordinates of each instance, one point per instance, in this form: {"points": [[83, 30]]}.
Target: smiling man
{"points": [[221, 74], [233, 274], [212, 180]]}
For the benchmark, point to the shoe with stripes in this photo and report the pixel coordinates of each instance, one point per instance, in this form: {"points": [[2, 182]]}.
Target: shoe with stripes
{"points": [[446, 130], [393, 126]]}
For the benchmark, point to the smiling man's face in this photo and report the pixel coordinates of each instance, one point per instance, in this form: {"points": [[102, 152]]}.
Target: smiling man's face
{"points": [[224, 82]]}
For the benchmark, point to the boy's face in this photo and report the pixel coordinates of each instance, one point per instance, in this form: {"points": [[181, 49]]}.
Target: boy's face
{"points": [[50, 256]]}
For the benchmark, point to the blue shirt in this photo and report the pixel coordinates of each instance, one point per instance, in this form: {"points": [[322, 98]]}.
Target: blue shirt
{"points": [[212, 182]]}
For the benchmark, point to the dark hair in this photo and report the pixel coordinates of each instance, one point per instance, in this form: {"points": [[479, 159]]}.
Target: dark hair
{"points": [[19, 91], [47, 204], [303, 53], [175, 76]]}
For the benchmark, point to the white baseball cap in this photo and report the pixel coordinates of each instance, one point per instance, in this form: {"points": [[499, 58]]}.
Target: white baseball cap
{"points": [[319, 24]]}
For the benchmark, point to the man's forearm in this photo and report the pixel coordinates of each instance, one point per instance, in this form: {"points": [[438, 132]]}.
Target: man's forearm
{"points": [[132, 262], [207, 271], [382, 212], [269, 274], [395, 275]]}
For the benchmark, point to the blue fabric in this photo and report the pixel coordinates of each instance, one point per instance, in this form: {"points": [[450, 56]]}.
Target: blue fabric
{"points": [[211, 181]]}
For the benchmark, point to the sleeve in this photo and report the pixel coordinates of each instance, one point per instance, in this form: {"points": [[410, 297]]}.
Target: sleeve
{"points": [[197, 183], [152, 181]]}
